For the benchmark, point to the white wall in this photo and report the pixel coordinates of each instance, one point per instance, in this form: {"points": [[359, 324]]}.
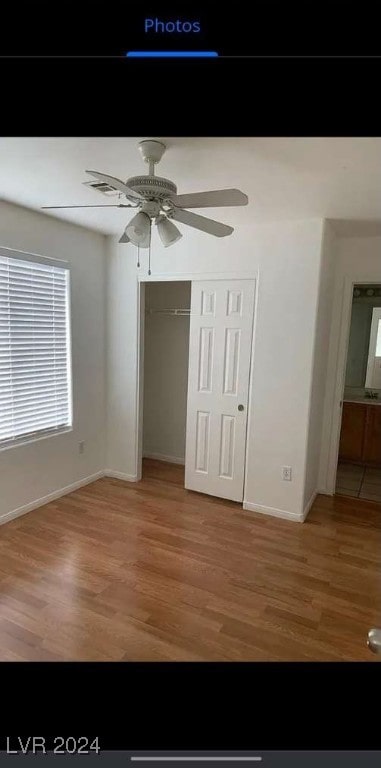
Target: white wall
{"points": [[358, 260], [285, 256], [324, 305], [37, 469], [166, 352], [121, 358]]}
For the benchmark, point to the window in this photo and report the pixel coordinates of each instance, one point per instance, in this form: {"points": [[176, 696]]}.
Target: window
{"points": [[35, 370], [378, 341]]}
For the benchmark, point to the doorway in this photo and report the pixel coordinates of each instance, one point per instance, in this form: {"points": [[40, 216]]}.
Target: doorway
{"points": [[195, 344], [166, 352], [359, 457]]}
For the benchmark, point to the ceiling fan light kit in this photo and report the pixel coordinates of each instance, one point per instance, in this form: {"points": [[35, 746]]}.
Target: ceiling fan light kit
{"points": [[158, 202], [138, 229], [168, 232]]}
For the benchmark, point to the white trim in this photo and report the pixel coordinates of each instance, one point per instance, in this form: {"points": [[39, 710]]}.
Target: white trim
{"points": [[341, 361], [139, 393], [69, 342], [324, 492], [162, 457], [307, 429], [250, 393], [274, 512], [120, 476], [35, 257], [50, 497], [185, 277], [34, 437], [309, 504], [196, 276]]}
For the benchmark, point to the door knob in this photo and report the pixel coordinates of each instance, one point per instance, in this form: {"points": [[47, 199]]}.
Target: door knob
{"points": [[241, 407], [374, 640]]}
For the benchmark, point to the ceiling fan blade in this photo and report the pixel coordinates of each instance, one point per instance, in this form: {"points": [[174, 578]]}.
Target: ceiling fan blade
{"points": [[216, 198], [107, 205], [124, 238], [201, 222], [116, 184]]}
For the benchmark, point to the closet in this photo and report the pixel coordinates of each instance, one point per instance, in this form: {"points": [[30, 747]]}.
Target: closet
{"points": [[194, 370], [166, 351]]}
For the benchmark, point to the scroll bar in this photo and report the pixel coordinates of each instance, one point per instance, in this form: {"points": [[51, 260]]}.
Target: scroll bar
{"points": [[172, 54], [196, 759]]}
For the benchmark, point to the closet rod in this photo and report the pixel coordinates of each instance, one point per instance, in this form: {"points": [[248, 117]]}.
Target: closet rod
{"points": [[178, 312]]}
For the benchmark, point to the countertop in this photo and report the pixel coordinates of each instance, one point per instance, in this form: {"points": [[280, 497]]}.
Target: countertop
{"points": [[364, 400]]}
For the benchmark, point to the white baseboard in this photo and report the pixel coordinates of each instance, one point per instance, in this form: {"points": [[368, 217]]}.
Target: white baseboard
{"points": [[309, 504], [162, 457], [120, 475], [324, 492], [274, 512], [50, 497]]}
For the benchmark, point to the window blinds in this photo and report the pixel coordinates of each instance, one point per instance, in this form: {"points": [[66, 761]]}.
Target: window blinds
{"points": [[35, 381]]}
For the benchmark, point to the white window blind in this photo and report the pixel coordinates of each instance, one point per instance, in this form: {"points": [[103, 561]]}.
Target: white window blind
{"points": [[35, 377]]}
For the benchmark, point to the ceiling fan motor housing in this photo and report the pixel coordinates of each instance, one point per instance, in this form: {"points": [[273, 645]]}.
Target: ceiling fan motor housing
{"points": [[152, 187]]}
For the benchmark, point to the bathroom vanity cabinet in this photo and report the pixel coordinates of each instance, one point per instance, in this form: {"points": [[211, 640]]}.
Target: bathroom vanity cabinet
{"points": [[360, 438]]}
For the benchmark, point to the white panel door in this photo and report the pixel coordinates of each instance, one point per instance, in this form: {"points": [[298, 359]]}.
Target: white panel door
{"points": [[218, 385]]}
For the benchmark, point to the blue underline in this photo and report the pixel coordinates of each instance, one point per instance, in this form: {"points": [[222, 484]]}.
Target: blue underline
{"points": [[172, 54]]}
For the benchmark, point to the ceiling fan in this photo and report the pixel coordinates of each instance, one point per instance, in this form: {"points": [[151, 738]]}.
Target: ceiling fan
{"points": [[158, 201]]}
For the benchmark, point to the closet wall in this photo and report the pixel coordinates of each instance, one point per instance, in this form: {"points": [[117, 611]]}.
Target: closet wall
{"points": [[166, 346]]}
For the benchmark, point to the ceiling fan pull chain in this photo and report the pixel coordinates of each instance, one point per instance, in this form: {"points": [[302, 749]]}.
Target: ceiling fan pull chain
{"points": [[138, 264]]}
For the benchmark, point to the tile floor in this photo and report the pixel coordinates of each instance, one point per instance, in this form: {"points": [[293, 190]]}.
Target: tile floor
{"points": [[362, 482]]}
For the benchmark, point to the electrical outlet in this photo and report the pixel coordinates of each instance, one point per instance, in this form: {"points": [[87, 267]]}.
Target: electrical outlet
{"points": [[286, 473], [81, 446]]}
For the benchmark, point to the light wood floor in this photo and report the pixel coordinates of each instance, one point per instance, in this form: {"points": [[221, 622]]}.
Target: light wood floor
{"points": [[149, 571]]}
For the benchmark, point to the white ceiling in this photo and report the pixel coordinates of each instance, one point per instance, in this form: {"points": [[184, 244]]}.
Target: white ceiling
{"points": [[335, 178]]}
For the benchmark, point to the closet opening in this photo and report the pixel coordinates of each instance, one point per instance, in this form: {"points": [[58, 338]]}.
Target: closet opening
{"points": [[165, 323], [195, 341]]}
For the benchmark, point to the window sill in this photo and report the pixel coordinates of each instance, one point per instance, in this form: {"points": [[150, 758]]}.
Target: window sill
{"points": [[36, 438]]}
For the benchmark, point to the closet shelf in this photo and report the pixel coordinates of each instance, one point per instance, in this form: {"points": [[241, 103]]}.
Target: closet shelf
{"points": [[178, 312]]}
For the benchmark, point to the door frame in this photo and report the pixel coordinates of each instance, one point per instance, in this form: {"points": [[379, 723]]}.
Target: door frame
{"points": [[185, 277], [341, 366]]}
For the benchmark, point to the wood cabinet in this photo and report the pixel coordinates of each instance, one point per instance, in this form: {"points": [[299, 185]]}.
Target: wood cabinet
{"points": [[372, 444], [360, 438]]}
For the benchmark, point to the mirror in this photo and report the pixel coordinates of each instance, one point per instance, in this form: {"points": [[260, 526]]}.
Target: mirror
{"points": [[364, 350], [373, 371]]}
